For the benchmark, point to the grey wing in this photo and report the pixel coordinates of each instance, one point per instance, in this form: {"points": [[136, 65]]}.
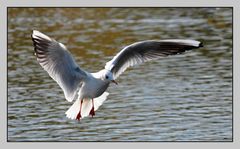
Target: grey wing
{"points": [[58, 62], [140, 52]]}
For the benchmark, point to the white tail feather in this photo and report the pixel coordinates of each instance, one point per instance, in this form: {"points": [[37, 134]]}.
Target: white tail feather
{"points": [[73, 111]]}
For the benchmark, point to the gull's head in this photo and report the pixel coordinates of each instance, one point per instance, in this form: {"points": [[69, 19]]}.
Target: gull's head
{"points": [[108, 76]]}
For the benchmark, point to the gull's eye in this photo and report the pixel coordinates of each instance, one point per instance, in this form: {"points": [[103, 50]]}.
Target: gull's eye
{"points": [[107, 77]]}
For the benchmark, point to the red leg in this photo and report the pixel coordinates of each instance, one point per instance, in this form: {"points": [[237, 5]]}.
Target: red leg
{"points": [[79, 114], [92, 112]]}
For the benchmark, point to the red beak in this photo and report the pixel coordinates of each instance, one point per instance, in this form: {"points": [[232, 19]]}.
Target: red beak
{"points": [[114, 82]]}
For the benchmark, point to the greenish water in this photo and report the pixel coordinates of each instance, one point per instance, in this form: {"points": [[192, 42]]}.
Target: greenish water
{"points": [[179, 98]]}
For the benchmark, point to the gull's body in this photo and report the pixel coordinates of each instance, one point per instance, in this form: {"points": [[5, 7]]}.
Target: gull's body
{"points": [[93, 86], [88, 89]]}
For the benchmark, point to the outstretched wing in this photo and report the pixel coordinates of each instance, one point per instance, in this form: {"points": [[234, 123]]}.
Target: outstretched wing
{"points": [[58, 62], [144, 51]]}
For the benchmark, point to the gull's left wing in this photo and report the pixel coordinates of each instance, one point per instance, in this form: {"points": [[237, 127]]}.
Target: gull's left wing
{"points": [[144, 51]]}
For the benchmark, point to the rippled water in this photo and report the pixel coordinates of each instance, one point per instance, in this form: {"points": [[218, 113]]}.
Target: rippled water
{"points": [[179, 98]]}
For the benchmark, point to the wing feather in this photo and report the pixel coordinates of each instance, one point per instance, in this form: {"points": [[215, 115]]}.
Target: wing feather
{"points": [[59, 63], [144, 51]]}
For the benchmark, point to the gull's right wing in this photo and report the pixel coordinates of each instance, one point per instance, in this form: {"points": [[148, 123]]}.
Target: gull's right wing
{"points": [[59, 63]]}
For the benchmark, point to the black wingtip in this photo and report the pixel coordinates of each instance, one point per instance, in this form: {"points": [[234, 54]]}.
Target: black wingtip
{"points": [[200, 44], [32, 35], [32, 31]]}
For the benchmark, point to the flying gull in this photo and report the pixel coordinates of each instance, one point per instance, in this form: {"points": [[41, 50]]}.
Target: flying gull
{"points": [[89, 89]]}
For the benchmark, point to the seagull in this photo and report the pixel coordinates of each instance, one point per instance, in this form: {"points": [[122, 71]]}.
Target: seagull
{"points": [[88, 90]]}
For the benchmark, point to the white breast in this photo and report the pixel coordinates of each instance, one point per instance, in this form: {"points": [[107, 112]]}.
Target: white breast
{"points": [[92, 88]]}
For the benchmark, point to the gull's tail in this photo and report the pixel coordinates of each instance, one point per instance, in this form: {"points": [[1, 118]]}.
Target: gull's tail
{"points": [[73, 111]]}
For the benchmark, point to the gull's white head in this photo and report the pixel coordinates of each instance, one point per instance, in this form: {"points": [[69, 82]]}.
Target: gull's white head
{"points": [[108, 76]]}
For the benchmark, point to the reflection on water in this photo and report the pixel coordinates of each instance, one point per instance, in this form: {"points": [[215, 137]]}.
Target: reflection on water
{"points": [[180, 98]]}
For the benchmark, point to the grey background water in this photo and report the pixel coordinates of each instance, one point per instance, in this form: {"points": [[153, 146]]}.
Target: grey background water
{"points": [[179, 98]]}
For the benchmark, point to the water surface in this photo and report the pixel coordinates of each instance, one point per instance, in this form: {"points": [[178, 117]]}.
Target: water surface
{"points": [[179, 98]]}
